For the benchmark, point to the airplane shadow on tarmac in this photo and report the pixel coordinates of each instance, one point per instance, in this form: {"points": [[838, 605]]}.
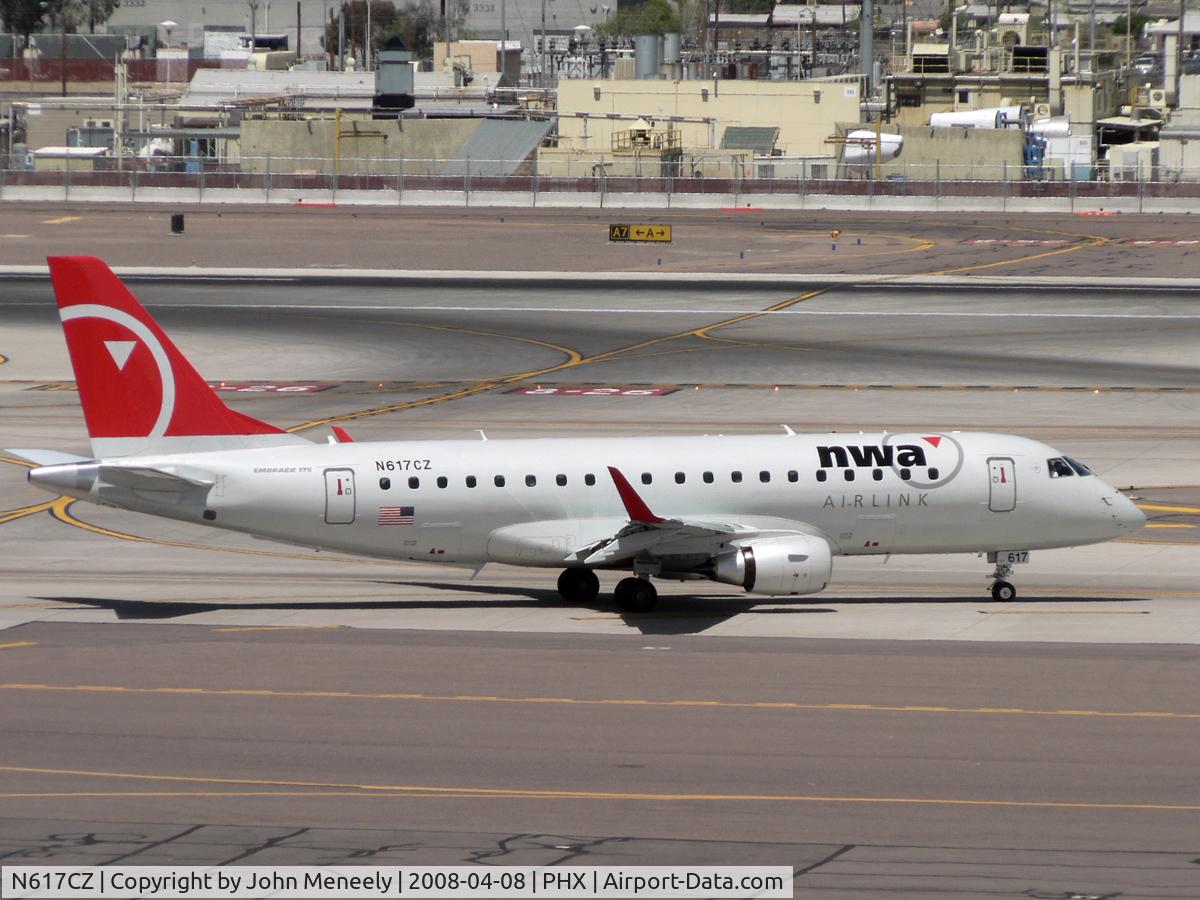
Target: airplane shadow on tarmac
{"points": [[674, 615]]}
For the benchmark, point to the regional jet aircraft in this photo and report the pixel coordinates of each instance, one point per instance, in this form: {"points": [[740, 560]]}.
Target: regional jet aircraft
{"points": [[765, 513]]}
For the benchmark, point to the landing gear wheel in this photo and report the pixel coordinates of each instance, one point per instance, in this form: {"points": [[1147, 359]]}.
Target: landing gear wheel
{"points": [[1003, 591], [635, 595], [578, 585]]}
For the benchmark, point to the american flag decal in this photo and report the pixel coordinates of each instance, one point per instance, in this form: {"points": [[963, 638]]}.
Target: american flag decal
{"points": [[396, 515]]}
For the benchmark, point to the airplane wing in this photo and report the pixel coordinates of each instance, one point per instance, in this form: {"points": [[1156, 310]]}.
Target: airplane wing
{"points": [[658, 536]]}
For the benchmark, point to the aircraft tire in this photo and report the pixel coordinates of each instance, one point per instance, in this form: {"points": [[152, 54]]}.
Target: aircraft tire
{"points": [[635, 595], [578, 585], [1003, 591]]}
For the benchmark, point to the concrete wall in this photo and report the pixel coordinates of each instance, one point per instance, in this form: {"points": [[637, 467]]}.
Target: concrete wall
{"points": [[1189, 92], [192, 16], [562, 161], [46, 124], [1179, 153], [484, 56], [806, 112], [309, 145], [1085, 103], [960, 153]]}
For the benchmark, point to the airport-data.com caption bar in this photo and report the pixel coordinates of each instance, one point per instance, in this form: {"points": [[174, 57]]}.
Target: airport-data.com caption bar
{"points": [[385, 882]]}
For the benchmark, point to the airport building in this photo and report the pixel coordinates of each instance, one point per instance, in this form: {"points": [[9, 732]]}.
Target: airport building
{"points": [[1011, 97]]}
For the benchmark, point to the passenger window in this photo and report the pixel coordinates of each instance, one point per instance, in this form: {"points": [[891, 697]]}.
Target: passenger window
{"points": [[385, 484], [589, 479], [735, 477], [905, 474], [680, 478], [933, 474], [471, 481], [647, 478], [560, 480], [499, 480], [1058, 468], [707, 477], [530, 481], [764, 476], [442, 482], [821, 475], [1080, 468], [849, 474], [877, 474], [414, 483], [793, 476]]}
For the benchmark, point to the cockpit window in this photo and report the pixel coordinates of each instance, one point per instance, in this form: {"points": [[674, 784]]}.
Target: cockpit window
{"points": [[1079, 467], [1059, 468]]}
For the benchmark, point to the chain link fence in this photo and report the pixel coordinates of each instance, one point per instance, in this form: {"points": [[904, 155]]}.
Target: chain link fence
{"points": [[270, 178]]}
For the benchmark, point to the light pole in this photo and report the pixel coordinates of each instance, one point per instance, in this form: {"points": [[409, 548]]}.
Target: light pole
{"points": [[62, 53], [253, 4], [169, 26]]}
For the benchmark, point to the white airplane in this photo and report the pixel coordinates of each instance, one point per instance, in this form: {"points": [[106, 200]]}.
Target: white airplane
{"points": [[766, 513]]}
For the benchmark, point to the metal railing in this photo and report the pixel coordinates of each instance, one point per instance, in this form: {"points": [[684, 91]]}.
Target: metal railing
{"points": [[315, 177]]}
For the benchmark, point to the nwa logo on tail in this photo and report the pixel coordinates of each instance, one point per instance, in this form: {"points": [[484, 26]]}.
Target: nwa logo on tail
{"points": [[926, 460]]}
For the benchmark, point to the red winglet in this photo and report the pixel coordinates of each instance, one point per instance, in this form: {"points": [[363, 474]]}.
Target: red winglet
{"points": [[340, 433], [634, 505]]}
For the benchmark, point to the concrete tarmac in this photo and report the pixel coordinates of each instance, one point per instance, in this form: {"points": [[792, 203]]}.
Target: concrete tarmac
{"points": [[717, 242], [905, 768], [945, 744]]}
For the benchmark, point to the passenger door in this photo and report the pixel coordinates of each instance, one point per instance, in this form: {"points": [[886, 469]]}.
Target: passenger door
{"points": [[339, 496], [1002, 494]]}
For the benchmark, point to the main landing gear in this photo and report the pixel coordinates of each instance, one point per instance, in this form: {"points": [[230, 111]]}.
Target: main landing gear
{"points": [[632, 595], [1002, 588], [635, 595], [579, 585]]}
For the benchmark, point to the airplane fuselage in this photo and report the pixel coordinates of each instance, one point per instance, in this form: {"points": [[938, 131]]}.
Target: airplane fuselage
{"points": [[535, 502], [766, 513]]}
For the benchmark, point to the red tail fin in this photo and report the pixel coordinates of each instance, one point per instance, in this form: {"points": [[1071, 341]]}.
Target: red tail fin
{"points": [[139, 393]]}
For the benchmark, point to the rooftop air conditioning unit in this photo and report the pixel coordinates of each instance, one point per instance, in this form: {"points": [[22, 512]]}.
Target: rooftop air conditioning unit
{"points": [[1158, 98], [1041, 110]]}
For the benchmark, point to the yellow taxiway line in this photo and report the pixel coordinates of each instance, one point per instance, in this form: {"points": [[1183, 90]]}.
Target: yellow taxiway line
{"points": [[483, 793], [93, 689]]}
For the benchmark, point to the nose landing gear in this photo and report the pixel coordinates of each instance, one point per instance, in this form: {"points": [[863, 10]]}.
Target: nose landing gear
{"points": [[1002, 588]]}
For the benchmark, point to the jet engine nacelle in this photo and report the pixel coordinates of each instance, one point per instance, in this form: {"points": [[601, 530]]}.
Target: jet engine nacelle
{"points": [[797, 564]]}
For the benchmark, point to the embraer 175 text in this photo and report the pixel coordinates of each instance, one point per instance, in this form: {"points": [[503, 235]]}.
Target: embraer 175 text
{"points": [[765, 513]]}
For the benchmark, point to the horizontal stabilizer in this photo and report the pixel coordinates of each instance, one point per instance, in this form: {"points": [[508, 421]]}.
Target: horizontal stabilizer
{"points": [[47, 457]]}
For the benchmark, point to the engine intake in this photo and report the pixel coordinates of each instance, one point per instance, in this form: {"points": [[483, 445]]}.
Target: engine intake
{"points": [[798, 564]]}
